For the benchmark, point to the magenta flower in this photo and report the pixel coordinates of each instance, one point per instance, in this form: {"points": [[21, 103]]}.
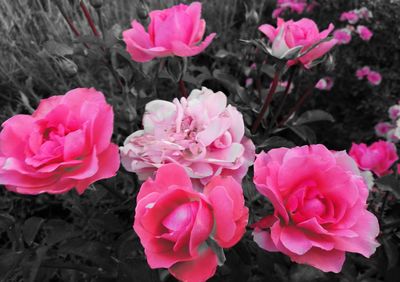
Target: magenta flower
{"points": [[325, 83], [382, 128], [362, 72], [64, 144], [175, 31], [364, 32], [319, 199], [374, 77], [343, 35], [377, 157], [303, 35], [350, 16], [176, 223]]}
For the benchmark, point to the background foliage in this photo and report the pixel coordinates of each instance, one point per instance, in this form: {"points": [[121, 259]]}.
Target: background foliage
{"points": [[89, 238]]}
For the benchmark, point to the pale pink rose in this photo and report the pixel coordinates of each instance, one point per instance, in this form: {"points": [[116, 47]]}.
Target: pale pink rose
{"points": [[343, 35], [301, 34], [364, 32], [176, 224], [364, 13], [382, 128], [325, 83], [64, 144], [394, 112], [374, 77], [319, 199], [350, 17], [362, 72], [200, 133], [174, 31], [378, 157]]}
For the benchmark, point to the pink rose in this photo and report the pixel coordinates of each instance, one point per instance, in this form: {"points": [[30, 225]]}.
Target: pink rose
{"points": [[394, 112], [325, 83], [343, 35], [175, 31], [382, 128], [377, 157], [319, 199], [374, 77], [201, 133], [64, 144], [364, 32], [176, 224], [303, 34], [350, 16], [362, 72]]}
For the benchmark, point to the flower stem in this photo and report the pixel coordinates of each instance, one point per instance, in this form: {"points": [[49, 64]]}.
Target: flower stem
{"points": [[268, 100], [89, 18], [297, 106], [292, 72], [68, 20], [182, 88]]}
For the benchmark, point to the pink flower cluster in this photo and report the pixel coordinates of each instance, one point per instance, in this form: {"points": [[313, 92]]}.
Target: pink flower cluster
{"points": [[344, 35], [64, 144], [320, 211], [378, 157], [373, 77], [298, 6], [179, 227], [353, 16], [201, 133], [390, 130]]}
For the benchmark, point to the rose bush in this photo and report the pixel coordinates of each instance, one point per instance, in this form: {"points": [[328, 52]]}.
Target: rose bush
{"points": [[177, 225], [200, 133], [64, 144], [320, 210], [174, 31]]}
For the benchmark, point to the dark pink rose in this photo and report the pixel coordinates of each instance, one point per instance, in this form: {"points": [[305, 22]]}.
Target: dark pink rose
{"points": [[64, 144], [177, 224], [319, 197], [378, 157], [174, 31]]}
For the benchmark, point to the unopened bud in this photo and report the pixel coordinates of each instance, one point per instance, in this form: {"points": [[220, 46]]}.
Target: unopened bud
{"points": [[67, 66], [142, 11], [252, 17]]}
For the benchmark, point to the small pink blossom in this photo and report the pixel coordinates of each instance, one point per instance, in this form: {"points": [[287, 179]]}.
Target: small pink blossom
{"points": [[343, 35], [364, 13], [201, 133], [382, 128], [374, 77], [308, 186], [297, 6], [378, 157], [362, 72], [394, 112], [249, 82], [364, 32], [393, 135], [350, 16], [325, 83], [176, 31]]}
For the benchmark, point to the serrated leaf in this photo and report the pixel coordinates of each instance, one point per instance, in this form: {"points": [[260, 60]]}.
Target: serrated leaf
{"points": [[314, 116], [31, 228]]}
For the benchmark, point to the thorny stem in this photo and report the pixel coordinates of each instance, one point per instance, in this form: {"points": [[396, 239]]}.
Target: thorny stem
{"points": [[268, 100], [297, 106], [292, 72], [89, 18]]}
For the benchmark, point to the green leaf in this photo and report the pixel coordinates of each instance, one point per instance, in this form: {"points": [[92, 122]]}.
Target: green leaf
{"points": [[391, 251], [31, 228], [31, 267], [301, 273], [57, 49], [8, 262], [314, 116], [230, 82], [6, 221]]}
